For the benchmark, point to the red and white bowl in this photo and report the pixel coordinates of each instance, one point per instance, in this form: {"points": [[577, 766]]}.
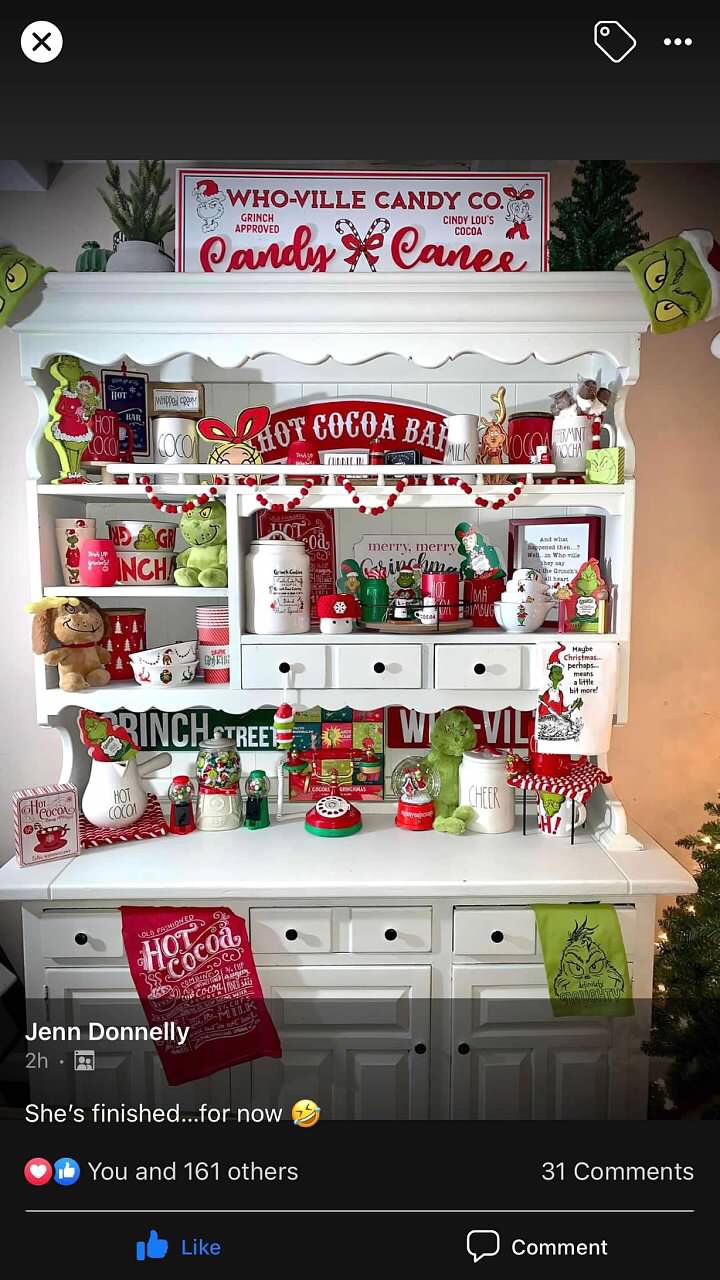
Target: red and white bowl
{"points": [[146, 568], [124, 534]]}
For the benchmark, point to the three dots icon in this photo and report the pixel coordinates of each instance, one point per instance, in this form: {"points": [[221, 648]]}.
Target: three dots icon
{"points": [[677, 41]]}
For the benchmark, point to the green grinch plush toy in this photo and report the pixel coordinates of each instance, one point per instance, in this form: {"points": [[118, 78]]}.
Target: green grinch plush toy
{"points": [[204, 563], [679, 280], [19, 273], [452, 735]]}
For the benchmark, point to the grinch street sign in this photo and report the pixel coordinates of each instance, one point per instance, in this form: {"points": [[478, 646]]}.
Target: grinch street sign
{"points": [[265, 220], [185, 730]]}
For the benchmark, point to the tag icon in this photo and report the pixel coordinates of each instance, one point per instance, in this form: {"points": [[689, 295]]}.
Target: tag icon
{"points": [[614, 40]]}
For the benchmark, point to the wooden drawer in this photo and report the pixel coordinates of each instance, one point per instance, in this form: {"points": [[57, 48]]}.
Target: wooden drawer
{"points": [[478, 666], [512, 931], [286, 929], [494, 931], [82, 935], [381, 666], [390, 929], [267, 666]]}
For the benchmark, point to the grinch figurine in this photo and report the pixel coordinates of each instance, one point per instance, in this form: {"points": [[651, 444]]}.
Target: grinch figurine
{"points": [[478, 559], [204, 563], [452, 735]]}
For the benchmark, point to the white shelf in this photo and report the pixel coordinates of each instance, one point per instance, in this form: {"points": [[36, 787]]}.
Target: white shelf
{"points": [[136, 592], [285, 862], [481, 635]]}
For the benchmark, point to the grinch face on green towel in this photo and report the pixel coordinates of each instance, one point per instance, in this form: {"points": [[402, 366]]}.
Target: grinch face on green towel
{"points": [[18, 274], [584, 966], [673, 282]]}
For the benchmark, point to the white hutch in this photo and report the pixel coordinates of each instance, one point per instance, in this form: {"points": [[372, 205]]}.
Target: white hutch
{"points": [[390, 915]]}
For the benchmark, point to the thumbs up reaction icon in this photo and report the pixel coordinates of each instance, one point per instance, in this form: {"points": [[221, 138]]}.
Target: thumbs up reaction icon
{"points": [[153, 1247]]}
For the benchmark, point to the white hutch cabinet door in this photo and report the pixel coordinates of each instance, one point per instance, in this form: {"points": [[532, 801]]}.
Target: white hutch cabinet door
{"points": [[512, 1060], [125, 1071], [354, 1039]]}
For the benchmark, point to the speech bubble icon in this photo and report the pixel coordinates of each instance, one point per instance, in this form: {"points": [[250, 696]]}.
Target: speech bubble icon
{"points": [[482, 1244]]}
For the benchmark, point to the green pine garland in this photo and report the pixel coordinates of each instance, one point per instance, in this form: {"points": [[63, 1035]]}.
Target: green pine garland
{"points": [[597, 223], [686, 1005], [137, 213]]}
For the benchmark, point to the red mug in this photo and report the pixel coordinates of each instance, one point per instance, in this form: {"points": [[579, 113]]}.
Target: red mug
{"points": [[528, 433], [479, 596], [105, 444], [444, 589], [98, 563]]}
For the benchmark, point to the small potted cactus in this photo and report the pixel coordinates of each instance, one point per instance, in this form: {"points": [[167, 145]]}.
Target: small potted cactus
{"points": [[137, 214]]}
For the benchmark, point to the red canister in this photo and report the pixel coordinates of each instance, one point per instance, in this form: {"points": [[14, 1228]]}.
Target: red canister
{"points": [[479, 596], [528, 432], [444, 589], [125, 634]]}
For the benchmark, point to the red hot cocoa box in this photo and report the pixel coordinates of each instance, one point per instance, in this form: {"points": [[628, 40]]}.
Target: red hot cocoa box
{"points": [[46, 824]]}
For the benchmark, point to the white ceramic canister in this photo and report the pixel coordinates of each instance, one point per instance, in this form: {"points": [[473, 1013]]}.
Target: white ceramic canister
{"points": [[484, 785], [175, 440], [277, 585]]}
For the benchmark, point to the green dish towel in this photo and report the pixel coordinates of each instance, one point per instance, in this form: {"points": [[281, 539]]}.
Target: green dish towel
{"points": [[585, 961]]}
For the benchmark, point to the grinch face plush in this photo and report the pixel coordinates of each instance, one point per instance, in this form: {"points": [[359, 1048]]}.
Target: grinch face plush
{"points": [[18, 275], [205, 561], [678, 279], [78, 626]]}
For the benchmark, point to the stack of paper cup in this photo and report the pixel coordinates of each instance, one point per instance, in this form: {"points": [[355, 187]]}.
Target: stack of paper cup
{"points": [[213, 630]]}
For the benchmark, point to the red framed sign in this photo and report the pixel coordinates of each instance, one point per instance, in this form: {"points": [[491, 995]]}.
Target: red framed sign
{"points": [[555, 545], [509, 727], [332, 426], [328, 220]]}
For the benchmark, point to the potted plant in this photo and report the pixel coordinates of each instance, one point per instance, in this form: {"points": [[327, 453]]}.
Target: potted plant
{"points": [[139, 218]]}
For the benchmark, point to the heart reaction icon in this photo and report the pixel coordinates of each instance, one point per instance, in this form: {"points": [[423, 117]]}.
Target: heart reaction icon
{"points": [[38, 1171]]}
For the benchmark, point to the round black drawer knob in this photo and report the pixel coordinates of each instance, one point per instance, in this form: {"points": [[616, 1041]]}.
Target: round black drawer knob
{"points": [[379, 667], [284, 668], [463, 1048], [291, 935], [497, 935], [391, 934], [479, 668], [81, 939], [421, 1048]]}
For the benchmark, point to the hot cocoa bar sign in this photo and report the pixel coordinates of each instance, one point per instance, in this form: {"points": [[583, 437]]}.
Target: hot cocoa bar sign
{"points": [[248, 220]]}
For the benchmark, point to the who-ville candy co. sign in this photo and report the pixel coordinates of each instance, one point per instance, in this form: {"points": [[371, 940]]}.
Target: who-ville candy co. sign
{"points": [[264, 220]]}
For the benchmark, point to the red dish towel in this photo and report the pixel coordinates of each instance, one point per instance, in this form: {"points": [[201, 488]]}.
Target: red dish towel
{"points": [[194, 972]]}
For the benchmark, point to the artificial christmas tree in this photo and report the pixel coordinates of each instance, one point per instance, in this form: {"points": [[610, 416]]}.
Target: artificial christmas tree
{"points": [[597, 222], [686, 1006]]}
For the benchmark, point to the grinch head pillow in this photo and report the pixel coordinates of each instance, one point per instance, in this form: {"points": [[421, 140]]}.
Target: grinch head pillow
{"points": [[18, 275], [679, 280]]}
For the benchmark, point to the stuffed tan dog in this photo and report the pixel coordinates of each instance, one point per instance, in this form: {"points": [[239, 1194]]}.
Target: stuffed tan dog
{"points": [[78, 626]]}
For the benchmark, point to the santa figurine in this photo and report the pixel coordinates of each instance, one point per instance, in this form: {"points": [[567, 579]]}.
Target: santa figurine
{"points": [[338, 613]]}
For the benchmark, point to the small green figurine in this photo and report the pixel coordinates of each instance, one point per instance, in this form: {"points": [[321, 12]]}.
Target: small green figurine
{"points": [[92, 257], [257, 813], [478, 559], [204, 563]]}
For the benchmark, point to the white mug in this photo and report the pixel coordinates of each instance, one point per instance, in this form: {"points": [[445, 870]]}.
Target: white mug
{"points": [[572, 438], [461, 441], [559, 823]]}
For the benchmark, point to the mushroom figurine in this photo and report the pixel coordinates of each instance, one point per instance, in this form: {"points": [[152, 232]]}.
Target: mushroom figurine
{"points": [[338, 613]]}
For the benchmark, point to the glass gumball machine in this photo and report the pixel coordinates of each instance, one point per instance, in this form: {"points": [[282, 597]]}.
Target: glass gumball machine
{"points": [[257, 813], [416, 784], [218, 775], [181, 794]]}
